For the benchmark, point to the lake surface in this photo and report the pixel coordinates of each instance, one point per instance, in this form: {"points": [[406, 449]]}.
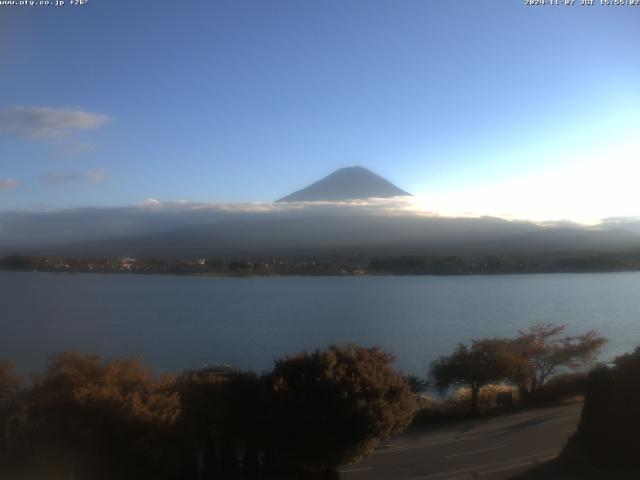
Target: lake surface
{"points": [[176, 323]]}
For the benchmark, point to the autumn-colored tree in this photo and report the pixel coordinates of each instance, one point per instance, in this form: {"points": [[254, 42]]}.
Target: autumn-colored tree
{"points": [[483, 362], [330, 407], [545, 351], [10, 381], [99, 419]]}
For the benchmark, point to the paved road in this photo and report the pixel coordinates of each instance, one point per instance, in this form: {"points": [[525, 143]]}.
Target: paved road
{"points": [[493, 449]]}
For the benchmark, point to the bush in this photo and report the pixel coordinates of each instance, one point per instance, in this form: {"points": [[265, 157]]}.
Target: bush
{"points": [[561, 387], [487, 399], [608, 431], [456, 406], [331, 407], [93, 419], [431, 410]]}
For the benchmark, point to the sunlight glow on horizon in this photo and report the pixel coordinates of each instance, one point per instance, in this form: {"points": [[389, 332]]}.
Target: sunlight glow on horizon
{"points": [[602, 185]]}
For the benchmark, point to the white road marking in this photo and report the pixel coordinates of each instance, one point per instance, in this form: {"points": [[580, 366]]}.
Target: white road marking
{"points": [[353, 470], [473, 452], [517, 465], [482, 434], [493, 467], [434, 443], [561, 419], [542, 454]]}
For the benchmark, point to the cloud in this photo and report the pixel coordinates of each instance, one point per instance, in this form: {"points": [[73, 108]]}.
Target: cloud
{"points": [[36, 226], [48, 123], [381, 206], [9, 184], [92, 176], [183, 227]]}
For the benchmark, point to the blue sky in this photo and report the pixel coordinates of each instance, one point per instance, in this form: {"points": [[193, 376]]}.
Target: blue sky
{"points": [[116, 102]]}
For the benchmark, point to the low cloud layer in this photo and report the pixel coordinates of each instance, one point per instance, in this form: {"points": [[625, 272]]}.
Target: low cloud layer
{"points": [[48, 123], [393, 226], [25, 228], [153, 216]]}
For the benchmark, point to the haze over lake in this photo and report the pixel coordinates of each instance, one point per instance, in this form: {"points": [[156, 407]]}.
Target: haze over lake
{"points": [[177, 323]]}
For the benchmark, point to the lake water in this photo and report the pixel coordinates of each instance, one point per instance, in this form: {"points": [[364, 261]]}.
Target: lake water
{"points": [[176, 322]]}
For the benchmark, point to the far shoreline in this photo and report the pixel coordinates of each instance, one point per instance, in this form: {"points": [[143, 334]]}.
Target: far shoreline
{"points": [[323, 275]]}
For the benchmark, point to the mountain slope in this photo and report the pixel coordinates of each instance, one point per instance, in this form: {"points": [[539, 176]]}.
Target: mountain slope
{"points": [[285, 235], [348, 183]]}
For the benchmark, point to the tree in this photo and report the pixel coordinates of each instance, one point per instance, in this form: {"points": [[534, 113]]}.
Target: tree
{"points": [[545, 352], [484, 362], [100, 419], [416, 383], [19, 262], [330, 407], [607, 435], [10, 381]]}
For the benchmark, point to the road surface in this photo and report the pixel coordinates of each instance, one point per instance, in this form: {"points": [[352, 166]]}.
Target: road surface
{"points": [[493, 449]]}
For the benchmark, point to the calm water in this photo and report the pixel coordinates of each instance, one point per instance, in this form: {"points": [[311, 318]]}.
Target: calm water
{"points": [[185, 322]]}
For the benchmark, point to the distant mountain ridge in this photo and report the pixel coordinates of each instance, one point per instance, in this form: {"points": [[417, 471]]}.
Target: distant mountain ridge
{"points": [[349, 233], [349, 183]]}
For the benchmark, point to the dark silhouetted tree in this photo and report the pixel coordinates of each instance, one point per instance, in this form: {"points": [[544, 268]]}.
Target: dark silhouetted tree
{"points": [[607, 435], [10, 381], [331, 407], [545, 352], [484, 362], [416, 383], [19, 262]]}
